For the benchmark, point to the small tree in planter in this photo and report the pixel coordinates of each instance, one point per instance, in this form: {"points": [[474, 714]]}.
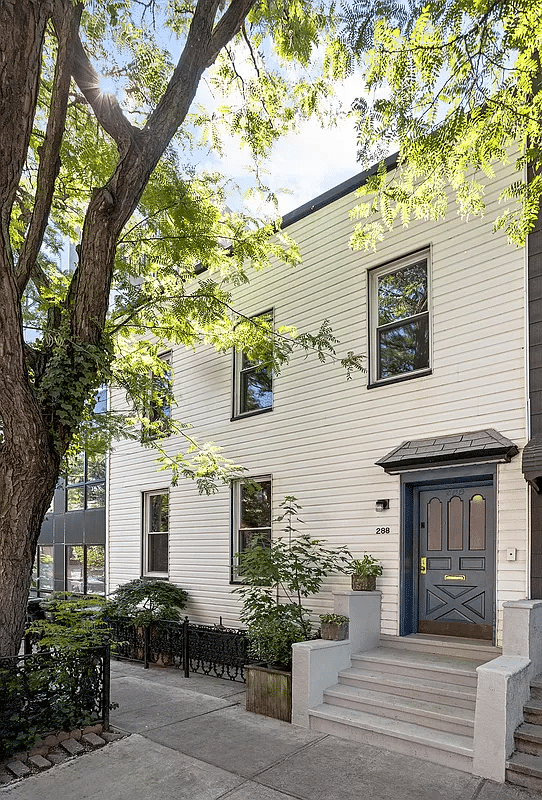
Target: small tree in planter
{"points": [[364, 573], [277, 577]]}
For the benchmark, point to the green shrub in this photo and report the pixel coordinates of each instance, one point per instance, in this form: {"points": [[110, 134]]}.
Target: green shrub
{"points": [[146, 601]]}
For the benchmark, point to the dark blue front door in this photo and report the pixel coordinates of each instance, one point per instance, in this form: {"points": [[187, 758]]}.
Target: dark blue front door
{"points": [[456, 561]]}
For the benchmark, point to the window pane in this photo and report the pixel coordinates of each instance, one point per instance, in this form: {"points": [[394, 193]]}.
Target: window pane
{"points": [[434, 524], [45, 566], [101, 401], [402, 293], [96, 495], [477, 528], [76, 469], [403, 348], [246, 535], [255, 505], [96, 569], [75, 498], [158, 504], [158, 552], [455, 524], [256, 390], [75, 579], [96, 467]]}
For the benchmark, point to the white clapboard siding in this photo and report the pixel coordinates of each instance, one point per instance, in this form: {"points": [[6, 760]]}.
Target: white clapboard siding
{"points": [[322, 439]]}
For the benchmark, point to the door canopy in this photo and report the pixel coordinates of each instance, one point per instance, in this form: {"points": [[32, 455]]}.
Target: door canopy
{"points": [[459, 448]]}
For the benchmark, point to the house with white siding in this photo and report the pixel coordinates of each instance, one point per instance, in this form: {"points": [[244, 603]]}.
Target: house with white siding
{"points": [[417, 461]]}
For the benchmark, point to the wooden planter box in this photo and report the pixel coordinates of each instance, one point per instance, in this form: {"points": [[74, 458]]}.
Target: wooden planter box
{"points": [[334, 632], [363, 583], [269, 692]]}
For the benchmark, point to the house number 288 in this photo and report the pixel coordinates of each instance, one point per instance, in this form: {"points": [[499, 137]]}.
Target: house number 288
{"points": [[382, 530]]}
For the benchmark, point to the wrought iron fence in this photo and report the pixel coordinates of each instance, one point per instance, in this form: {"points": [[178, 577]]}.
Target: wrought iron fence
{"points": [[49, 691], [208, 649]]}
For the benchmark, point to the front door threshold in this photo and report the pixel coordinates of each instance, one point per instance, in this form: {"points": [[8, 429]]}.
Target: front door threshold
{"points": [[465, 630]]}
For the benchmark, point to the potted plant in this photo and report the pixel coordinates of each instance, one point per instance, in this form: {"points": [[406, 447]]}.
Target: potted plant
{"points": [[364, 573], [334, 627]]}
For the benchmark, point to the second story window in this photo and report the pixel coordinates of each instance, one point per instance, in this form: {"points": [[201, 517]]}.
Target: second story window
{"points": [[253, 380], [399, 313], [158, 410], [85, 482]]}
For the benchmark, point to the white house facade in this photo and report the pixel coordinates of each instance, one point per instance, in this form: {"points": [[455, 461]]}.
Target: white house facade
{"points": [[417, 461]]}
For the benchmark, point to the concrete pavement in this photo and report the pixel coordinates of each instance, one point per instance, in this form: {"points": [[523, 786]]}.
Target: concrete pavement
{"points": [[191, 739]]}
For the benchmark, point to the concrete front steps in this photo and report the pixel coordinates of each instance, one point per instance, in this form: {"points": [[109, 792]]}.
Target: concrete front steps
{"points": [[414, 695], [524, 768]]}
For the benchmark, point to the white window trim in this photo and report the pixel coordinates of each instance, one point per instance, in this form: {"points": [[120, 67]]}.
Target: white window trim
{"points": [[237, 370], [236, 517], [372, 283], [146, 532]]}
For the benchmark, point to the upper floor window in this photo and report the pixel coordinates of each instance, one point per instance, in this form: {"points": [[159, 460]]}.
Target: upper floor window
{"points": [[399, 314], [158, 410], [251, 513], [253, 380], [156, 533], [85, 482]]}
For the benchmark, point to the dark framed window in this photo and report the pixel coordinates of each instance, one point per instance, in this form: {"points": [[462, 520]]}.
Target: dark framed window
{"points": [[253, 380], [85, 569], [399, 312], [252, 510], [85, 482], [42, 572], [156, 533]]}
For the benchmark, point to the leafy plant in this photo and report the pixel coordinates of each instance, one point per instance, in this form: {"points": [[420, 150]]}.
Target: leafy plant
{"points": [[335, 619], [277, 577], [365, 567], [71, 622], [146, 601]]}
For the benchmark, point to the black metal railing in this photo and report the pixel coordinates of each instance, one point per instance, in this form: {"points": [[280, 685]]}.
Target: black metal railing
{"points": [[209, 649], [52, 690]]}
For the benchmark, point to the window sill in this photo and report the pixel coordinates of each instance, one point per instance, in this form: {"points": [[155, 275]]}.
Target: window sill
{"points": [[251, 413], [400, 378]]}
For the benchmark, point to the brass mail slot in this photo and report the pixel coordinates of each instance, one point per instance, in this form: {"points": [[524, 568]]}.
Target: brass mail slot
{"points": [[455, 577]]}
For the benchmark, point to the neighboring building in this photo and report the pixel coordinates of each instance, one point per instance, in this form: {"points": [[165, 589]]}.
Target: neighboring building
{"points": [[71, 548], [417, 462]]}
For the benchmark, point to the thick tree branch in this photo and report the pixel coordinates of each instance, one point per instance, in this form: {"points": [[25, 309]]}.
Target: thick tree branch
{"points": [[104, 105], [49, 164], [229, 26]]}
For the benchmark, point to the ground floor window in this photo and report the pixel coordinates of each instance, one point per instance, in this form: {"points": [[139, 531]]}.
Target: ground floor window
{"points": [[156, 533], [85, 569], [251, 514], [42, 575]]}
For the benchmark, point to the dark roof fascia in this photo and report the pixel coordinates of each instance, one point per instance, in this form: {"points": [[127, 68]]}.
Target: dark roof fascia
{"points": [[341, 190]]}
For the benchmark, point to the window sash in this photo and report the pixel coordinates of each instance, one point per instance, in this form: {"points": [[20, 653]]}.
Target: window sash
{"points": [[243, 533], [249, 372], [156, 533]]}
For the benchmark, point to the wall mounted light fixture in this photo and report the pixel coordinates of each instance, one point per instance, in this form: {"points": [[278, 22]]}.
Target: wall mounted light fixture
{"points": [[382, 505]]}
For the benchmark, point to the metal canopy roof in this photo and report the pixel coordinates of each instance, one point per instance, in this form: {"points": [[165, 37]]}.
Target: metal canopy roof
{"points": [[458, 448]]}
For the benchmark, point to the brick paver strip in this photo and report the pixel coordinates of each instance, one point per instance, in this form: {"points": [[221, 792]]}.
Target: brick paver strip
{"points": [[40, 762], [57, 758], [19, 769], [72, 747], [93, 740]]}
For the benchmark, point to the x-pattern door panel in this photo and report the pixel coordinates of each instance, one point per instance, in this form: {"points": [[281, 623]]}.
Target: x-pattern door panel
{"points": [[457, 544]]}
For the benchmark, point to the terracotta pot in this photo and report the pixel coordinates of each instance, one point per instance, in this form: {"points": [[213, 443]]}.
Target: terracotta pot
{"points": [[363, 583], [333, 631]]}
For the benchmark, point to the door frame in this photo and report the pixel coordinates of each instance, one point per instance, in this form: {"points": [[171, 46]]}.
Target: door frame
{"points": [[411, 484]]}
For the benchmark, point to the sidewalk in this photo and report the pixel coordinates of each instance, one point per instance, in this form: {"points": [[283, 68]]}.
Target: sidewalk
{"points": [[191, 739]]}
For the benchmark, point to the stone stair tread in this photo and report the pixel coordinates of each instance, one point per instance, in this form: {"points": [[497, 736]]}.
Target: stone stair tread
{"points": [[534, 704], [442, 740], [420, 660], [530, 732], [387, 701], [463, 647], [389, 679], [526, 764]]}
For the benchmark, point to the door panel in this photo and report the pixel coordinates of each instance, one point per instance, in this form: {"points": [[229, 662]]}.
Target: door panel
{"points": [[456, 548]]}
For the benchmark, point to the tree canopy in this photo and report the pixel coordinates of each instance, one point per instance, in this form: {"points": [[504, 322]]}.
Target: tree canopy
{"points": [[156, 248], [456, 87]]}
